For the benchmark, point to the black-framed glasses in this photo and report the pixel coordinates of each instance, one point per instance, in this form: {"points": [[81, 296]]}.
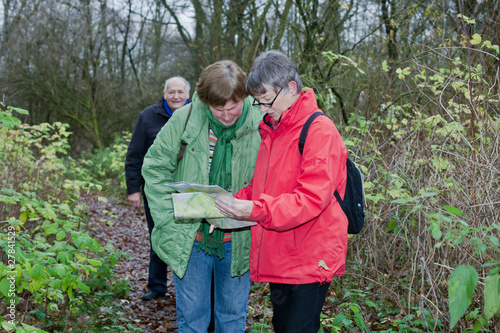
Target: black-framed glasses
{"points": [[268, 105]]}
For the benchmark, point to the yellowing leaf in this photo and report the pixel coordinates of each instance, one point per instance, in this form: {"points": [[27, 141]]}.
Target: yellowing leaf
{"points": [[94, 262], [322, 264], [476, 39], [24, 217]]}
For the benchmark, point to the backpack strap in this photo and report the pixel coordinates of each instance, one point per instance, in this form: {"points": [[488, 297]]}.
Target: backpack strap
{"points": [[303, 136], [182, 149], [305, 128], [337, 196]]}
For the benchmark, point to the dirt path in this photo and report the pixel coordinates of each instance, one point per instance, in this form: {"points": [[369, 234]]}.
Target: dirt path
{"points": [[129, 233]]}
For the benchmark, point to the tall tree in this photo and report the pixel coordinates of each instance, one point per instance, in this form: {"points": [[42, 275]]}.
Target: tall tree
{"points": [[77, 62], [231, 29]]}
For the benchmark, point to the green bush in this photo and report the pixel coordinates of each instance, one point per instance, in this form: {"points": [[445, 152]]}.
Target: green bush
{"points": [[429, 151], [50, 262], [106, 166]]}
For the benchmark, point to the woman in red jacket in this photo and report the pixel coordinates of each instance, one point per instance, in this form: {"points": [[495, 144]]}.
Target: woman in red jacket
{"points": [[300, 241]]}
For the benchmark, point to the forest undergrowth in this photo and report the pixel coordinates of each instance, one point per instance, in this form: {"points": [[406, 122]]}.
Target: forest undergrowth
{"points": [[428, 259]]}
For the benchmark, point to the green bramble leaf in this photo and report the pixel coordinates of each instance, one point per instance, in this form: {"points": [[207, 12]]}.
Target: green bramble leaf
{"points": [[461, 286], [453, 210], [491, 296], [37, 272], [385, 67], [83, 287], [19, 110], [437, 233], [61, 235]]}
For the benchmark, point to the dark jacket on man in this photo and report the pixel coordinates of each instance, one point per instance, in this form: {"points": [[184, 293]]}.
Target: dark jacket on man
{"points": [[149, 123]]}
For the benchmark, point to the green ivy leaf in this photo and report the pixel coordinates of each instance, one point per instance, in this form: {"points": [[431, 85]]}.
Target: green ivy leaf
{"points": [[463, 281], [491, 295]]}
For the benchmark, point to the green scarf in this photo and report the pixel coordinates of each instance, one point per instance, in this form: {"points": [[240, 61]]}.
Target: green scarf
{"points": [[220, 174]]}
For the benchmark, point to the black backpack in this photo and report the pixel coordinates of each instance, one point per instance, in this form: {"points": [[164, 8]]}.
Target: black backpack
{"points": [[353, 204]]}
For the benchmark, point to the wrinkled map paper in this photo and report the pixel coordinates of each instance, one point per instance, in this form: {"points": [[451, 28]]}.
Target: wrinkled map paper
{"points": [[198, 201]]}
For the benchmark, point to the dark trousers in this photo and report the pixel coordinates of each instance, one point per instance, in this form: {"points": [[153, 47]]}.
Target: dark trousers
{"points": [[157, 277], [297, 307]]}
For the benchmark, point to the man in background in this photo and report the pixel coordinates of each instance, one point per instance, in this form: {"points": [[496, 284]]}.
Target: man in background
{"points": [[149, 123]]}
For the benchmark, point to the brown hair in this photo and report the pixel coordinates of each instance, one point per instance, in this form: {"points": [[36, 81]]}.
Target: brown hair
{"points": [[221, 82]]}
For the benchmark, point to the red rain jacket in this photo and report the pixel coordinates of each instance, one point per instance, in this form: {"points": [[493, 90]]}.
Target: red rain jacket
{"points": [[300, 223]]}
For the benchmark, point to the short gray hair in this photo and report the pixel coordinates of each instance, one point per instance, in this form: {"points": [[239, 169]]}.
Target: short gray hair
{"points": [[188, 87], [272, 69]]}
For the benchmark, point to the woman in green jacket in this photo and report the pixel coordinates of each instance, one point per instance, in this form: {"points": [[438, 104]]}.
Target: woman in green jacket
{"points": [[221, 132]]}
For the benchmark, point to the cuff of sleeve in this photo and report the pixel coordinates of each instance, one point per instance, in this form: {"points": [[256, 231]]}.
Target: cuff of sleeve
{"points": [[259, 212], [131, 190]]}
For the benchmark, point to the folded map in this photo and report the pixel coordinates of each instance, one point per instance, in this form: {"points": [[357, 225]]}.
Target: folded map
{"points": [[198, 201]]}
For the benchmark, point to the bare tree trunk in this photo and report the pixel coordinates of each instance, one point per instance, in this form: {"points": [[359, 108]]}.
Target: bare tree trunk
{"points": [[391, 29], [157, 34], [6, 12], [103, 26], [125, 39]]}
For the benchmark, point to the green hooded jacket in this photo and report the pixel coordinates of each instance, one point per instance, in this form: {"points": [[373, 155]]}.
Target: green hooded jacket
{"points": [[173, 239]]}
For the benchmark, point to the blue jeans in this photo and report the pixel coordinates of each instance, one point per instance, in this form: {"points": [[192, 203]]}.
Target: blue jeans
{"points": [[192, 294], [297, 308]]}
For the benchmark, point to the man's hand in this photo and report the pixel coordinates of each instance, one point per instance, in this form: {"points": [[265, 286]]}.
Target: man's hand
{"points": [[135, 199], [237, 209]]}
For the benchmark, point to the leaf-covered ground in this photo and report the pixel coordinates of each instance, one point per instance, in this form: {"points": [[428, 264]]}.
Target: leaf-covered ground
{"points": [[129, 233]]}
